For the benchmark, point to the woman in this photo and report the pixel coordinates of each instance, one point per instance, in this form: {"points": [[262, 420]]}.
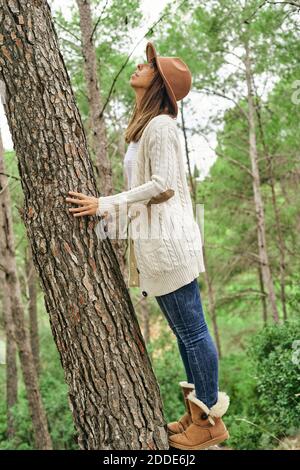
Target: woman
{"points": [[168, 263]]}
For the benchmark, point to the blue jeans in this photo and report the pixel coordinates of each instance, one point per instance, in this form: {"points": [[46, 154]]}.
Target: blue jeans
{"points": [[183, 311]]}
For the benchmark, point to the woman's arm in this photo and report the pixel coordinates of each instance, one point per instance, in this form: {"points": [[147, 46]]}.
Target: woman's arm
{"points": [[162, 143]]}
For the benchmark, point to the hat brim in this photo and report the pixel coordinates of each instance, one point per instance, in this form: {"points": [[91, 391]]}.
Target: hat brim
{"points": [[151, 54]]}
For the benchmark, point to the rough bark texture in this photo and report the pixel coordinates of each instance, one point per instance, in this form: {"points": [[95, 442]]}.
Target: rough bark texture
{"points": [[7, 251], [259, 208], [97, 122], [32, 308], [114, 396]]}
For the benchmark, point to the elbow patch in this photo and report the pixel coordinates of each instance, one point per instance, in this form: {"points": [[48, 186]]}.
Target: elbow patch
{"points": [[163, 196]]}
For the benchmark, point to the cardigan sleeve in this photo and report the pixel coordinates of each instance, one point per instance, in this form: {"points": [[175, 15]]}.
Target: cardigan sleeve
{"points": [[162, 153]]}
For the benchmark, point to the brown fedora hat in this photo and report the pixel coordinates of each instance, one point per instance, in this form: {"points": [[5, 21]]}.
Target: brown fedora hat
{"points": [[174, 72]]}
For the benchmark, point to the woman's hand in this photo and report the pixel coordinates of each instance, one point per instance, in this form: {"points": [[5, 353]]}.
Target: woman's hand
{"points": [[89, 204]]}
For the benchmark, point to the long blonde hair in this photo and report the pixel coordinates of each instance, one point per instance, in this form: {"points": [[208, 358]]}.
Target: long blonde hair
{"points": [[154, 101]]}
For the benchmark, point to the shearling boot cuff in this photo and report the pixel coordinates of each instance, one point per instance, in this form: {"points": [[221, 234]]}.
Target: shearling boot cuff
{"points": [[187, 385], [217, 410]]}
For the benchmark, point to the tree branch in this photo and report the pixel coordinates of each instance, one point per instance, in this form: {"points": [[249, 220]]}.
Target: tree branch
{"points": [[232, 160], [222, 95], [10, 176], [98, 21]]}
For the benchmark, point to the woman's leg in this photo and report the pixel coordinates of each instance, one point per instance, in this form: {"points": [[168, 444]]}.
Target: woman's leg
{"points": [[180, 343], [185, 314]]}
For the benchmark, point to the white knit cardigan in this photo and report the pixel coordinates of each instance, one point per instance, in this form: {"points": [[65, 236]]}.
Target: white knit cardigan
{"points": [[172, 257]]}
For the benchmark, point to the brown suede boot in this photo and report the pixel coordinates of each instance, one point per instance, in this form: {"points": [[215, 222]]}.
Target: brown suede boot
{"points": [[178, 426], [207, 427]]}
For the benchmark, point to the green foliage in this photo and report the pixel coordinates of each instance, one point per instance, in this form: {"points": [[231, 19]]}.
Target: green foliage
{"points": [[263, 385], [278, 375], [54, 395]]}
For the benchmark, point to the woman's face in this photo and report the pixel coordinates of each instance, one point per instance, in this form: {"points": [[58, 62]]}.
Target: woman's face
{"points": [[143, 76]]}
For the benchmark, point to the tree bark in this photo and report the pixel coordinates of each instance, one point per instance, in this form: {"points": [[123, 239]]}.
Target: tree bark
{"points": [[7, 249], [260, 214], [113, 393], [97, 122]]}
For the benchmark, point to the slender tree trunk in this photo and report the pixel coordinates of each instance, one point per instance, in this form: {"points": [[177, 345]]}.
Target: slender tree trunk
{"points": [[8, 326], [113, 393], [11, 361], [193, 187], [99, 140], [212, 306], [261, 231], [99, 137], [32, 308], [145, 313], [263, 296], [7, 248], [278, 231]]}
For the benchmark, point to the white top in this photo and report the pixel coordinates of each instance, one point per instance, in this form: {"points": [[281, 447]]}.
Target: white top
{"points": [[129, 161]]}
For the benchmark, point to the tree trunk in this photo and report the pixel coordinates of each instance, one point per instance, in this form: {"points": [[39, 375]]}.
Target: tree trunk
{"points": [[192, 183], [263, 296], [113, 393], [8, 326], [97, 123], [260, 215], [145, 314], [193, 189], [278, 231], [32, 308], [99, 137], [212, 306], [7, 246], [11, 361]]}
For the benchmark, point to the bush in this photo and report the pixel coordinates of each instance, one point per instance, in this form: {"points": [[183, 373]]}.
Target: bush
{"points": [[263, 385], [278, 377]]}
